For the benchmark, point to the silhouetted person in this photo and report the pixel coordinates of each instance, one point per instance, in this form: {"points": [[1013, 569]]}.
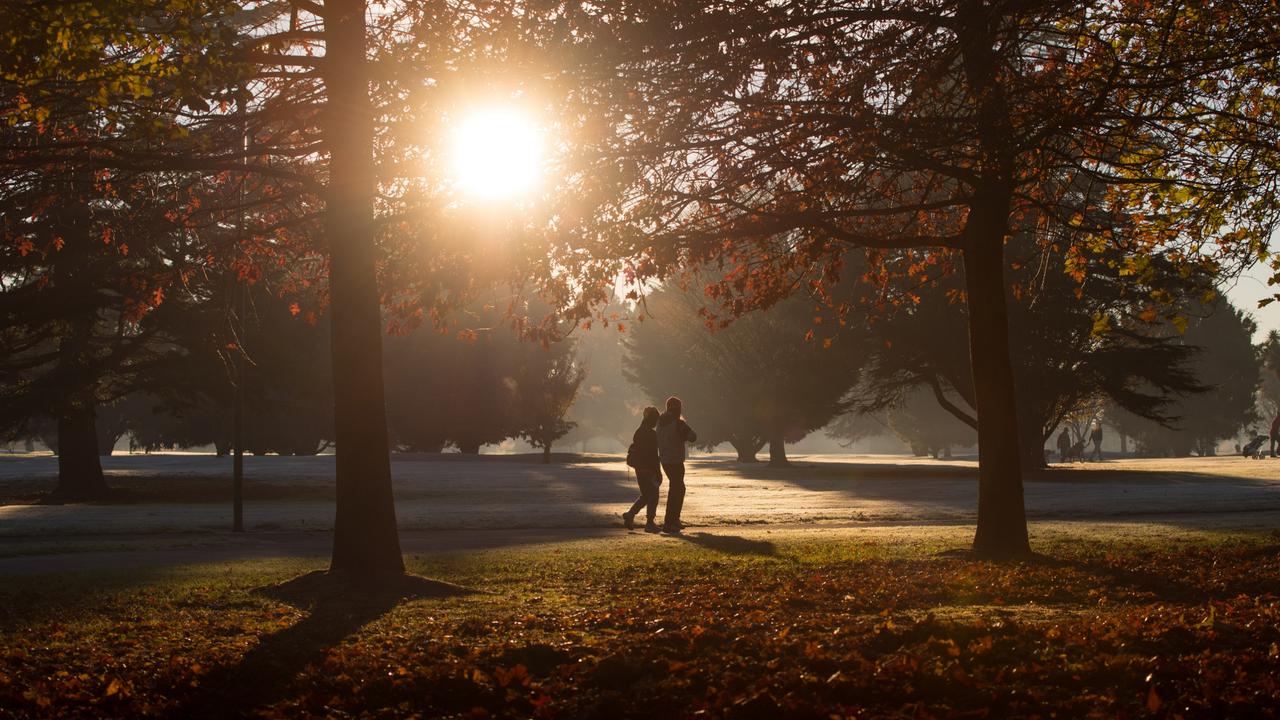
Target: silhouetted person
{"points": [[643, 456], [1064, 445], [1096, 438], [673, 433], [1275, 434]]}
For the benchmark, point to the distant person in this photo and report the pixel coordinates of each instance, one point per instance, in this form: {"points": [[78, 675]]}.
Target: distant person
{"points": [[673, 433], [1095, 437], [1275, 434], [643, 456], [1064, 445]]}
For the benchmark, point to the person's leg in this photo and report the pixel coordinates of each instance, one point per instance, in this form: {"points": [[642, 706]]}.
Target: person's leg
{"points": [[675, 495], [629, 516], [649, 487]]}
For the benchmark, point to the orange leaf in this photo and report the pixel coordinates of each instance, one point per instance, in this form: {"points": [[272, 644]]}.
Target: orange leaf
{"points": [[1153, 700]]}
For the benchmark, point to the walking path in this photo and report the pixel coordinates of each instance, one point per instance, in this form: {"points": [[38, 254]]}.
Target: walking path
{"points": [[179, 513]]}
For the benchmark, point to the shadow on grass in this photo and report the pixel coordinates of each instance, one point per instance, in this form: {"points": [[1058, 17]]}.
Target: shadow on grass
{"points": [[1082, 475], [1225, 574], [338, 608], [1180, 579], [730, 544], [839, 471]]}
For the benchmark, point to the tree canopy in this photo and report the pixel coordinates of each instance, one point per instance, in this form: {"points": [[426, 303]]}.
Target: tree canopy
{"points": [[768, 139], [769, 143]]}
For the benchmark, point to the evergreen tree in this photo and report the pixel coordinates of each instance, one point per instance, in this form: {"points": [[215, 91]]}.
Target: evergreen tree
{"points": [[607, 406], [1084, 331], [757, 382], [1227, 364], [547, 386], [478, 386]]}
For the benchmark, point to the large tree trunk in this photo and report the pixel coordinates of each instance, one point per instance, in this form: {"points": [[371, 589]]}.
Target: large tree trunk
{"points": [[1032, 451], [777, 449], [546, 454], [1002, 517], [107, 439], [79, 465], [365, 539], [746, 449], [1002, 521]]}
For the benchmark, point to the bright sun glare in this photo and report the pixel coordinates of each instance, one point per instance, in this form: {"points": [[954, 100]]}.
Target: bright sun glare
{"points": [[497, 153]]}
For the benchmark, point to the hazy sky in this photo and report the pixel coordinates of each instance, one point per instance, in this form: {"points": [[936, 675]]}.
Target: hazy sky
{"points": [[1248, 290]]}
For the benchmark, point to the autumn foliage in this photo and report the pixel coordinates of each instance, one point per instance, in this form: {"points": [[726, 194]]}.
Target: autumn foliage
{"points": [[745, 628]]}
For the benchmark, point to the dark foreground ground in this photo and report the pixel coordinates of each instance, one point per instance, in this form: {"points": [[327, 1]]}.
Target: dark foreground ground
{"points": [[726, 623]]}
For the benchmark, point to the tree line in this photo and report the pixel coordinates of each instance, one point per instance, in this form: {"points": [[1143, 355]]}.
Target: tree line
{"points": [[755, 384]]}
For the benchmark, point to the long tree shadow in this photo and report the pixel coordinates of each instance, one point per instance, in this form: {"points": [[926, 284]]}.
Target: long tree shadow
{"points": [[337, 609], [1182, 583], [730, 544], [946, 491]]}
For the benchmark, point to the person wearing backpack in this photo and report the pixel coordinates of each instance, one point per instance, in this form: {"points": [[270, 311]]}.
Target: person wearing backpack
{"points": [[673, 433], [643, 456]]}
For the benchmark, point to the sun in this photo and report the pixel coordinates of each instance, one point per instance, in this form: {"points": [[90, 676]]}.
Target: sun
{"points": [[497, 153]]}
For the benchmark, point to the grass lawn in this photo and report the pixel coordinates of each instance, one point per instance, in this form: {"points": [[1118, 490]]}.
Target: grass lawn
{"points": [[751, 625]]}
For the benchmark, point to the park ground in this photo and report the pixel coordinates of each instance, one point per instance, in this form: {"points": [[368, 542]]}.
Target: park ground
{"points": [[835, 588]]}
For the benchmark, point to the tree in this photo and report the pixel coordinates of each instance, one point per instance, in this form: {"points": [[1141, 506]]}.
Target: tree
{"points": [[478, 387], [920, 422], [418, 375], [768, 139], [607, 405], [1269, 388], [88, 259], [547, 387], [754, 383], [365, 539], [1227, 364], [1080, 340], [310, 130], [323, 106]]}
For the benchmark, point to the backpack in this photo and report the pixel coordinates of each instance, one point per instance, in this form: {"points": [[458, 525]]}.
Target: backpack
{"points": [[631, 455]]}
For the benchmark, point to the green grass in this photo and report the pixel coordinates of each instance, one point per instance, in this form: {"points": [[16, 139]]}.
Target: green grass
{"points": [[787, 625]]}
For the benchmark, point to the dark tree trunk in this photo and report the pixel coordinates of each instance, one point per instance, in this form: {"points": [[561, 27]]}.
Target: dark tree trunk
{"points": [[1002, 521], [746, 450], [777, 450], [469, 448], [1033, 452], [107, 439], [365, 539], [79, 465], [1002, 517], [546, 454]]}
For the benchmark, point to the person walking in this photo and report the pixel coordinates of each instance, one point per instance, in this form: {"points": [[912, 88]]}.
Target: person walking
{"points": [[1096, 438], [1275, 434], [1064, 445], [673, 433], [643, 456]]}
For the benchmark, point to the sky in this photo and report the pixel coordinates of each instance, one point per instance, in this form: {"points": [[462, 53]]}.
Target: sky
{"points": [[1248, 290]]}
